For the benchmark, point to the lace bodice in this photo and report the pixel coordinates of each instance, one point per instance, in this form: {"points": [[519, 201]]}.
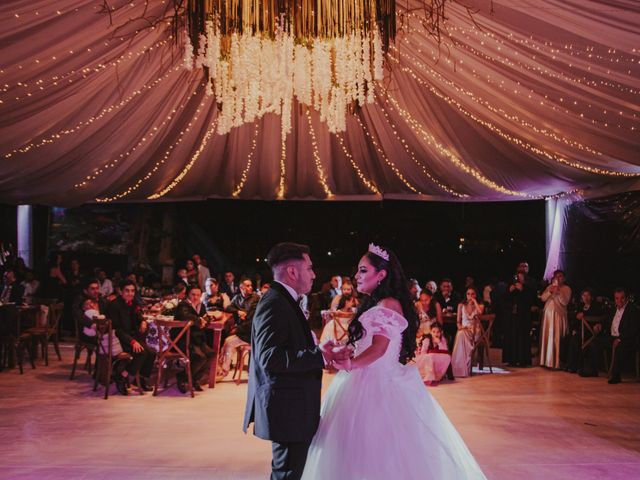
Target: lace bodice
{"points": [[381, 320]]}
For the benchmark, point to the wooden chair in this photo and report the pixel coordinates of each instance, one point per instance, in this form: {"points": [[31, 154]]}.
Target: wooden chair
{"points": [[483, 344], [105, 360], [242, 352], [172, 352], [586, 326], [48, 331], [341, 322], [78, 348]]}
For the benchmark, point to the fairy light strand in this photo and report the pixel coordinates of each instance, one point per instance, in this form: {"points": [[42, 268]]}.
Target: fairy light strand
{"points": [[245, 173], [316, 156]]}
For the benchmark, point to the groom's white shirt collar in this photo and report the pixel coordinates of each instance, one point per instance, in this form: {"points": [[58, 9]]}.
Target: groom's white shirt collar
{"points": [[291, 291]]}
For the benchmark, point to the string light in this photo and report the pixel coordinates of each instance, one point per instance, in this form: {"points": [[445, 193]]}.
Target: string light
{"points": [[158, 163], [245, 173], [416, 127], [386, 159], [372, 188], [316, 156], [283, 158], [188, 166], [150, 134], [413, 157], [56, 136], [516, 141]]}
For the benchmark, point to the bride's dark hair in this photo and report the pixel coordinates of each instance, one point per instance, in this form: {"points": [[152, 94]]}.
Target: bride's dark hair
{"points": [[393, 285]]}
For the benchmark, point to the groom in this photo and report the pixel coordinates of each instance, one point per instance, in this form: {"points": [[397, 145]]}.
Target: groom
{"points": [[285, 375]]}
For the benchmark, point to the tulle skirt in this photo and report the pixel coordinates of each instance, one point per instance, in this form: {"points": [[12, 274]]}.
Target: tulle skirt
{"points": [[433, 366], [383, 425]]}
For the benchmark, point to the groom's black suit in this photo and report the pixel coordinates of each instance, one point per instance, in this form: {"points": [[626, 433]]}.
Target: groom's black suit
{"points": [[285, 378]]}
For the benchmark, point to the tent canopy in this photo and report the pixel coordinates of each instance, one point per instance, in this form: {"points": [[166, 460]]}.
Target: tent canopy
{"points": [[521, 99]]}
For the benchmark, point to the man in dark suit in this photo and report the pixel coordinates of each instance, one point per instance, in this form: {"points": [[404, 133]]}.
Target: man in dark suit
{"points": [[229, 285], [11, 291], [200, 354], [620, 335], [90, 290], [285, 374], [243, 304], [130, 330]]}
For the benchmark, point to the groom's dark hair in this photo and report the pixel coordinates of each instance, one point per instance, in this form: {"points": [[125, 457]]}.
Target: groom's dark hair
{"points": [[284, 251]]}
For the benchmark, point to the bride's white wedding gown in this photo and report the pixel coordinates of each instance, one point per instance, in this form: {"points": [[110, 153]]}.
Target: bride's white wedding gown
{"points": [[381, 423]]}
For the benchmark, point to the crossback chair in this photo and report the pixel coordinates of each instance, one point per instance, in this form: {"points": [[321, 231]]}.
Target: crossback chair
{"points": [[78, 348], [48, 331], [105, 360], [170, 351], [243, 351], [587, 326], [483, 342], [341, 321]]}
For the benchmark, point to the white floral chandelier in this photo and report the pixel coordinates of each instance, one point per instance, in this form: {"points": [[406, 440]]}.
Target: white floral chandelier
{"points": [[258, 57]]}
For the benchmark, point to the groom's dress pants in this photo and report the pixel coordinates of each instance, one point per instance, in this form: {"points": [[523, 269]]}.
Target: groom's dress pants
{"points": [[288, 460]]}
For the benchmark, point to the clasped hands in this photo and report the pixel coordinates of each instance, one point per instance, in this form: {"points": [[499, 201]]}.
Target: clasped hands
{"points": [[336, 354]]}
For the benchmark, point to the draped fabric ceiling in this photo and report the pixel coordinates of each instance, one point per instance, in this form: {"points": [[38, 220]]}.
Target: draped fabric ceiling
{"points": [[521, 99]]}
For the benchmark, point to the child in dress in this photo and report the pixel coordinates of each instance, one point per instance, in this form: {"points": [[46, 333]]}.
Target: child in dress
{"points": [[434, 357], [90, 309]]}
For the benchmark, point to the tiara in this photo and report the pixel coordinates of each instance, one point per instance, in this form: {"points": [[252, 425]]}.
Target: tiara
{"points": [[376, 250]]}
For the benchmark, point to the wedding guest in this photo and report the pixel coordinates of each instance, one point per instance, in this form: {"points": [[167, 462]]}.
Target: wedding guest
{"points": [[448, 300], [53, 285], [89, 332], [106, 286], [414, 289], [90, 291], [30, 286], [621, 333], [348, 293], [182, 277], [202, 269], [336, 286], [229, 285], [178, 294], [192, 273], [517, 332], [587, 307], [469, 282], [467, 335], [213, 299], [264, 288], [431, 286], [200, 354], [131, 331], [429, 312], [434, 358], [11, 291], [554, 320], [243, 304]]}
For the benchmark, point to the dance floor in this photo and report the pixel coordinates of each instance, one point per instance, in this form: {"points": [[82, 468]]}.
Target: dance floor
{"points": [[526, 424]]}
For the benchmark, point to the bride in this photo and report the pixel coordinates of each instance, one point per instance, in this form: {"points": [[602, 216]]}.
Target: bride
{"points": [[378, 421]]}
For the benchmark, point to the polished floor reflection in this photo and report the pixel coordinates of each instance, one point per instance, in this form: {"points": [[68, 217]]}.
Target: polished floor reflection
{"points": [[526, 424]]}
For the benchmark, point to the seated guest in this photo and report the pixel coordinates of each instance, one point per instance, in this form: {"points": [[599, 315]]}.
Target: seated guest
{"points": [[587, 307], [30, 286], [429, 312], [467, 335], [130, 328], [90, 291], [11, 291], [348, 293], [243, 304], [182, 277], [621, 333], [214, 301], [431, 286], [200, 353], [240, 335], [106, 286], [414, 289], [229, 286], [434, 358]]}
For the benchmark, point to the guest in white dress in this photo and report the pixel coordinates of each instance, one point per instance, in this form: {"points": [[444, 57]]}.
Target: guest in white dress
{"points": [[556, 297], [434, 357], [467, 335], [378, 421]]}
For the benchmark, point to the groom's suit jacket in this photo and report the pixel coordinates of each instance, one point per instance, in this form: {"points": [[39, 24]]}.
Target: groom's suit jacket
{"points": [[285, 373]]}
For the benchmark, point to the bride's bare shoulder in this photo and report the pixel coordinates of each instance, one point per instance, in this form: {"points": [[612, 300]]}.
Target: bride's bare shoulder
{"points": [[391, 304]]}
